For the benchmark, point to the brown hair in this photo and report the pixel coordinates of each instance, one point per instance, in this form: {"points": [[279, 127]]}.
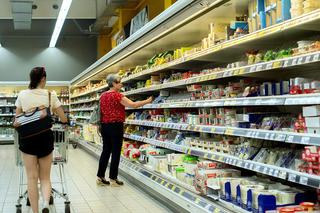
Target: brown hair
{"points": [[36, 74]]}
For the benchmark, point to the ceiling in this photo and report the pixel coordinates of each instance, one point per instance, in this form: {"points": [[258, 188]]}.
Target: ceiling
{"points": [[44, 28], [82, 14]]}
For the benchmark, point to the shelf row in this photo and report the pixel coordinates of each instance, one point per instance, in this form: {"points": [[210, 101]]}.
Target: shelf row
{"points": [[280, 100], [285, 137], [6, 115], [250, 69], [90, 92], [6, 138], [82, 117], [81, 109], [274, 171], [252, 37], [194, 201], [84, 101], [8, 105]]}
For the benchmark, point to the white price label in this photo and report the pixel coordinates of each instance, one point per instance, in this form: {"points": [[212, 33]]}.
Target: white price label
{"points": [[290, 138], [303, 180], [253, 69], [251, 166], [269, 66], [286, 63], [305, 140], [257, 168], [267, 136], [308, 58], [294, 61], [265, 170], [272, 136], [316, 57], [259, 68], [292, 177], [271, 171], [246, 165], [300, 60]]}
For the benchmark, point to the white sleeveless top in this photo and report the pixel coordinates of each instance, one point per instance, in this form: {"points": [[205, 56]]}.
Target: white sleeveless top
{"points": [[31, 98]]}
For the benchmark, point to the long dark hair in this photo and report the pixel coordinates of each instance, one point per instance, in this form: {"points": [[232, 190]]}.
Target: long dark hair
{"points": [[36, 74]]}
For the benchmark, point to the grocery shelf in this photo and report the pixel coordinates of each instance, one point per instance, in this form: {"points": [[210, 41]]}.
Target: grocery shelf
{"points": [[186, 199], [272, 32], [8, 105], [84, 101], [8, 96], [82, 117], [279, 100], [6, 139], [274, 171], [90, 92], [82, 109], [6, 115], [281, 136], [296, 61]]}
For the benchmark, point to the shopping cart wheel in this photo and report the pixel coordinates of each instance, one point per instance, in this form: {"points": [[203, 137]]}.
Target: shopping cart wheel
{"points": [[51, 200], [67, 208], [18, 209]]}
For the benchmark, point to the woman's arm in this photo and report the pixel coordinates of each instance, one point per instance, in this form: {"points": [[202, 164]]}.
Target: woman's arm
{"points": [[135, 104], [59, 111]]}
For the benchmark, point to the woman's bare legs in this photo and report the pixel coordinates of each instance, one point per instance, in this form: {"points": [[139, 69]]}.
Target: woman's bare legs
{"points": [[32, 171], [44, 176]]}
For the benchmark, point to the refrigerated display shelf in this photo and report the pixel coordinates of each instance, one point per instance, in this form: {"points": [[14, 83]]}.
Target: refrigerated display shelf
{"points": [[295, 61], [281, 136], [90, 92], [82, 117], [279, 100], [6, 115], [274, 171], [82, 109], [84, 101], [15, 96], [190, 201], [7, 105], [274, 31]]}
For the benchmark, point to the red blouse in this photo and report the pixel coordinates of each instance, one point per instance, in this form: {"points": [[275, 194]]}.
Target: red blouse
{"points": [[111, 109]]}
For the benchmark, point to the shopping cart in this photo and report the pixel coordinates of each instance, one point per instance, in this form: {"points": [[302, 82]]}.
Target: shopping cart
{"points": [[60, 157]]}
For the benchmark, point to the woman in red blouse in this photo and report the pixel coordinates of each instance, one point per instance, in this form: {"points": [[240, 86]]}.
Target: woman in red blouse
{"points": [[112, 106]]}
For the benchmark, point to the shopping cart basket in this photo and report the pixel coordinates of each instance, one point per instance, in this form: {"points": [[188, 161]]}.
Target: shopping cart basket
{"points": [[60, 157]]}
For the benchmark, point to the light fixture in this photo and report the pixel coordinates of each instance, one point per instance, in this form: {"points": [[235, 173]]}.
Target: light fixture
{"points": [[60, 20]]}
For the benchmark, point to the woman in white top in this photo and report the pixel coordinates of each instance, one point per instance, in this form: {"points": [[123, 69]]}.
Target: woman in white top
{"points": [[37, 150]]}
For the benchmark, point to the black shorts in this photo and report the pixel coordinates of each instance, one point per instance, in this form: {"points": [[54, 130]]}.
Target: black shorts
{"points": [[39, 145]]}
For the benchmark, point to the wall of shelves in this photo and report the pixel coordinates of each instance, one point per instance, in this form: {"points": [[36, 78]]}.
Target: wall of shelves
{"points": [[210, 66]]}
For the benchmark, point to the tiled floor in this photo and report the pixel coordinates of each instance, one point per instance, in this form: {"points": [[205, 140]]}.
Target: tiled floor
{"points": [[85, 195]]}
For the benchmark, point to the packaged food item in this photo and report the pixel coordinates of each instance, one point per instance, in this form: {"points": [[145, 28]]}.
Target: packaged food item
{"points": [[180, 174]]}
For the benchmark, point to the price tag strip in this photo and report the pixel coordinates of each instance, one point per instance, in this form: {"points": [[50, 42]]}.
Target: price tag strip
{"points": [[288, 137]]}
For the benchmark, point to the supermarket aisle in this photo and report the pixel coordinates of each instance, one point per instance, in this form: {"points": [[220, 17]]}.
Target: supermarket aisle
{"points": [[85, 195]]}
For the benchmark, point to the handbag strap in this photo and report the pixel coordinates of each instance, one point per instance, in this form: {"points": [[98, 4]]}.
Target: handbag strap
{"points": [[49, 95]]}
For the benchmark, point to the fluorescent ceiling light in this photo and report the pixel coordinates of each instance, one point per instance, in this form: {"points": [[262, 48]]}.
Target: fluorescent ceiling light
{"points": [[60, 20]]}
